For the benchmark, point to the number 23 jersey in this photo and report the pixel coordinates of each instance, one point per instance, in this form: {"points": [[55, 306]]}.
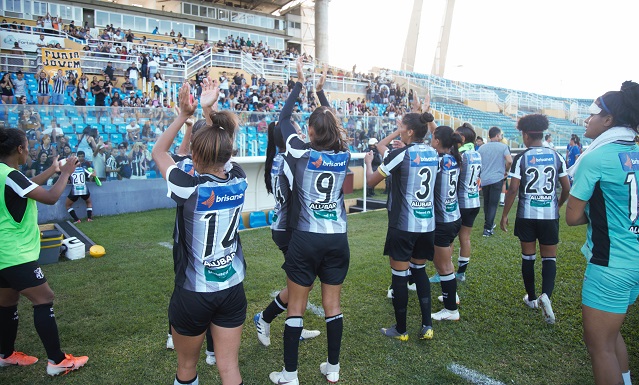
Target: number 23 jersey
{"points": [[209, 256], [538, 170]]}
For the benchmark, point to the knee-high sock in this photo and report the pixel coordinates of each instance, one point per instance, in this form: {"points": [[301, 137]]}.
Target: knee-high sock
{"points": [[292, 332], [334, 328], [8, 329], [423, 292], [47, 328], [528, 274], [449, 291], [400, 298], [275, 308], [89, 212], [548, 273], [462, 263], [73, 214]]}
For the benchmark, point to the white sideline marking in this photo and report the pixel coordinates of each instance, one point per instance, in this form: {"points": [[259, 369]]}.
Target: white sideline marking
{"points": [[317, 310], [168, 245], [472, 375]]}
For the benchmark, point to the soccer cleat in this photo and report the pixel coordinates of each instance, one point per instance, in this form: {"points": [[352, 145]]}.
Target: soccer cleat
{"points": [[69, 363], [446, 315], [18, 358], [393, 333], [263, 329], [89, 220], [309, 334], [78, 221], [441, 298], [546, 308], [280, 378], [331, 372], [210, 358], [412, 287], [533, 304], [169, 342], [435, 278], [461, 277], [487, 233], [389, 294], [426, 333]]}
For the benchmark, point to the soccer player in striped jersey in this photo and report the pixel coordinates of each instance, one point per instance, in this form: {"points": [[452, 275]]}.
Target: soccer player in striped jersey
{"points": [[79, 189], [411, 217], [605, 196], [277, 184], [467, 196], [317, 217], [210, 265], [535, 174], [447, 217]]}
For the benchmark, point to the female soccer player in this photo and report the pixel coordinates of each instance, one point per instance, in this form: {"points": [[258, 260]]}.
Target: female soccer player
{"points": [[277, 184], [20, 273], [467, 196], [209, 262], [411, 220], [534, 177], [317, 217], [606, 181], [447, 217]]}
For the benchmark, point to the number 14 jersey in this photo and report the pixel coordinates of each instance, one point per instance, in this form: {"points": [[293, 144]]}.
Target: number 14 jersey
{"points": [[538, 170]]}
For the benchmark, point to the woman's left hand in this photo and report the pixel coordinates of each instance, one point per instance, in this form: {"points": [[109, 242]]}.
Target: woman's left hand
{"points": [[188, 104]]}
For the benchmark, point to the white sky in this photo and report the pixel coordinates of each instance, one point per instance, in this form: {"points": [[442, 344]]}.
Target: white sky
{"points": [[569, 48]]}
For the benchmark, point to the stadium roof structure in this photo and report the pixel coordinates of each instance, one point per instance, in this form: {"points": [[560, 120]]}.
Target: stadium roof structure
{"points": [[273, 7]]}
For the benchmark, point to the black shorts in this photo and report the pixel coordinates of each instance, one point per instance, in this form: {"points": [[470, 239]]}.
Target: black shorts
{"points": [[74, 198], [445, 233], [191, 313], [281, 239], [23, 276], [404, 245], [468, 216], [544, 230], [313, 255]]}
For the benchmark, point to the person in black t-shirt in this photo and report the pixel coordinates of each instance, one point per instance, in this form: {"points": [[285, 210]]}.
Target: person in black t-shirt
{"points": [[99, 93]]}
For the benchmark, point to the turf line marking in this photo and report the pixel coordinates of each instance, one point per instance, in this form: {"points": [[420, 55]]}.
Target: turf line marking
{"points": [[168, 245], [471, 375], [317, 310]]}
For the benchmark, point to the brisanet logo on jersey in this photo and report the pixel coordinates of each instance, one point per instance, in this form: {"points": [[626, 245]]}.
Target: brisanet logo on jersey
{"points": [[220, 197], [540, 160], [629, 161], [423, 158], [319, 161]]}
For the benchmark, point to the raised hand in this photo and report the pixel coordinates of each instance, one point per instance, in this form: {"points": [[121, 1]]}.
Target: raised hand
{"points": [[300, 69], [210, 93], [188, 104], [322, 81], [416, 105]]}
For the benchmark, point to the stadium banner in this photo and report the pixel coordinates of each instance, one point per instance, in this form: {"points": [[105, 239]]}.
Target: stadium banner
{"points": [[67, 60], [28, 42]]}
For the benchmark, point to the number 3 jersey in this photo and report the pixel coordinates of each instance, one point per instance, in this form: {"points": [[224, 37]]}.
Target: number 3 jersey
{"points": [[209, 255], [317, 178], [413, 170], [538, 170]]}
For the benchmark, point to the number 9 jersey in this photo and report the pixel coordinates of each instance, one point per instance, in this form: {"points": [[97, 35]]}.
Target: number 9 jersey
{"points": [[413, 170], [539, 170]]}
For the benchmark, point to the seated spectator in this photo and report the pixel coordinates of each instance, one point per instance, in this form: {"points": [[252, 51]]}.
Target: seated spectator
{"points": [[38, 167], [133, 131], [147, 134], [128, 86]]}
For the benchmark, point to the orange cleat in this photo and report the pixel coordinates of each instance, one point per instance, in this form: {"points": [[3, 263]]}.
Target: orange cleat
{"points": [[68, 364], [18, 358]]}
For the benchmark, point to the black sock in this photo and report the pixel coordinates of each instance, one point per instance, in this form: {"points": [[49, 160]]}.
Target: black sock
{"points": [[411, 279], [334, 328], [400, 298], [548, 273], [449, 291], [209, 340], [170, 330], [292, 332], [47, 328], [9, 327], [528, 274], [462, 264], [73, 214], [275, 308], [418, 272], [185, 382], [89, 212]]}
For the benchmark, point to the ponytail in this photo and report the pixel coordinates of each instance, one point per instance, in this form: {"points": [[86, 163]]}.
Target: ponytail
{"points": [[449, 139], [418, 123]]}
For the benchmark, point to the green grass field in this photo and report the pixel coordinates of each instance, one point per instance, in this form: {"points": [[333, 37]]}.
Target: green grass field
{"points": [[114, 310]]}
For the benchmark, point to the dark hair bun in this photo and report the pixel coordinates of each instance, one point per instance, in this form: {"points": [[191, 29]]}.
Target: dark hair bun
{"points": [[426, 117]]}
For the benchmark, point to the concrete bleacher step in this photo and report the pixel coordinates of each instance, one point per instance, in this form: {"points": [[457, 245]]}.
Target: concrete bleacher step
{"points": [[371, 204]]}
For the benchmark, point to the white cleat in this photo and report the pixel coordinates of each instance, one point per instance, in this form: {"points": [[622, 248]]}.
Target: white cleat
{"points": [[546, 308], [263, 329], [446, 315], [441, 298], [309, 334], [284, 378], [331, 372], [169, 342], [210, 358], [531, 304]]}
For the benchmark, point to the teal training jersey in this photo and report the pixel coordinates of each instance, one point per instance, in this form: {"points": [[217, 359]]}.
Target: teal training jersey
{"points": [[607, 180]]}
